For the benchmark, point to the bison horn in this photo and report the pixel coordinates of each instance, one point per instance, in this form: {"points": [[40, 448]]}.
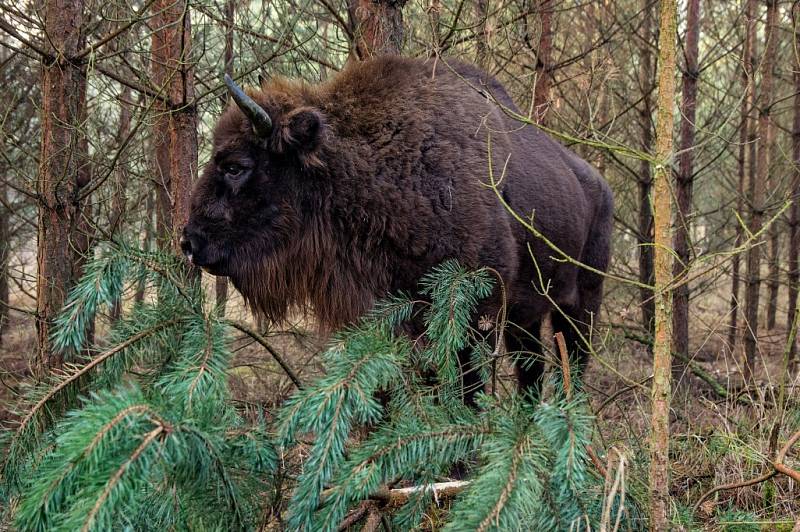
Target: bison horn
{"points": [[262, 124]]}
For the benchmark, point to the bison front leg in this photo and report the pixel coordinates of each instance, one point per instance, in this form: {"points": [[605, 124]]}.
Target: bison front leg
{"points": [[525, 347], [471, 381]]}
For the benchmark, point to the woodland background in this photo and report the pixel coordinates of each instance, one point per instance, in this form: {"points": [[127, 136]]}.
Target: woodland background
{"points": [[106, 114]]}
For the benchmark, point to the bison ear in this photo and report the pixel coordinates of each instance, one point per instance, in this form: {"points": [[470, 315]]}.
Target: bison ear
{"points": [[301, 131]]}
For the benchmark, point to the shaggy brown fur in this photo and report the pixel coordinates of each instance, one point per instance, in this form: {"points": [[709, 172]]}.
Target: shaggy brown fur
{"points": [[371, 179]]}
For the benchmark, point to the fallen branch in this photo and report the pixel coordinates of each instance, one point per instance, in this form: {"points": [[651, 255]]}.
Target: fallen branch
{"points": [[734, 485], [398, 496], [778, 467], [355, 516]]}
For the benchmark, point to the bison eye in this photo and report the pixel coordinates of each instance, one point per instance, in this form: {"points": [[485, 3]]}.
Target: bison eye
{"points": [[232, 170]]}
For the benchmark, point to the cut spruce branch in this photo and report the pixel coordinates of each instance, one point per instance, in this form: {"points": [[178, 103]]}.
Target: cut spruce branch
{"points": [[395, 497], [440, 490]]}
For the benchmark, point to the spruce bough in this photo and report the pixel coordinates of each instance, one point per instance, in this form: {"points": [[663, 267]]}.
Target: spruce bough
{"points": [[144, 434]]}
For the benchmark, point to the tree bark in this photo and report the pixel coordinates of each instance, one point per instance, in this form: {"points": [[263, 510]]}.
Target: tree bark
{"points": [[773, 278], [377, 27], [757, 187], [482, 38], [5, 255], [147, 239], [645, 228], [745, 162], [118, 199], [220, 282], [176, 131], [62, 170], [685, 183], [794, 213], [663, 259], [544, 62]]}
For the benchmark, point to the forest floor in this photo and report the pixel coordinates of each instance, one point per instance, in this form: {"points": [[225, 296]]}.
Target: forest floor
{"points": [[715, 440]]}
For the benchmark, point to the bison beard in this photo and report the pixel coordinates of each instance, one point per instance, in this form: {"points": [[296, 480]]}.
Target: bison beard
{"points": [[327, 198]]}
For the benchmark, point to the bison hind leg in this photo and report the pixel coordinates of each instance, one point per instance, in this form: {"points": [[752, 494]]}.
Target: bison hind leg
{"points": [[576, 322]]}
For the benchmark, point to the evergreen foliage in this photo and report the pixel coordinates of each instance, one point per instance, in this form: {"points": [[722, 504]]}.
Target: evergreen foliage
{"points": [[533, 468], [140, 433], [161, 448]]}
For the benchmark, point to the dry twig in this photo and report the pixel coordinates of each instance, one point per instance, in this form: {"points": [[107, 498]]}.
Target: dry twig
{"points": [[778, 467]]}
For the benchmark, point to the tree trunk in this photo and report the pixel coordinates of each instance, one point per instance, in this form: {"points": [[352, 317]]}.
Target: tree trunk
{"points": [[544, 55], [645, 229], [663, 259], [377, 27], [220, 282], [118, 200], [61, 169], [147, 239], [482, 38], [5, 255], [684, 184], [773, 279], [745, 161], [757, 186], [176, 130], [794, 213], [121, 174]]}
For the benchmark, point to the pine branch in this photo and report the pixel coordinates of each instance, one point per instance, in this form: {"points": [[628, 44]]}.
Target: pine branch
{"points": [[261, 340], [24, 431], [149, 438]]}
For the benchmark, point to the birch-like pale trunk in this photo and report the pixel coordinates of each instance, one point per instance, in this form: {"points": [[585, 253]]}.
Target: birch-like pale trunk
{"points": [[663, 261]]}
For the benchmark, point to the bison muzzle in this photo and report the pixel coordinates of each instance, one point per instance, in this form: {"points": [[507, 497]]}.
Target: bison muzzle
{"points": [[328, 197]]}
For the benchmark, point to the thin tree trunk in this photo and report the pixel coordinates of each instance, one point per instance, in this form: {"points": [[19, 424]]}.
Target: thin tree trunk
{"points": [[773, 278], [744, 162], [176, 149], [544, 59], [5, 255], [377, 26], [685, 183], [220, 282], [663, 259], [645, 228], [61, 172], [147, 240], [118, 200], [435, 21], [160, 138], [794, 213], [482, 38], [758, 189], [121, 175]]}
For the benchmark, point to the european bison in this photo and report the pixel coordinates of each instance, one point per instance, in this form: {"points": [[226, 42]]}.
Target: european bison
{"points": [[330, 196]]}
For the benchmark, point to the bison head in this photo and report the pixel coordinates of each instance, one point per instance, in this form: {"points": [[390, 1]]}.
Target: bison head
{"points": [[252, 203]]}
